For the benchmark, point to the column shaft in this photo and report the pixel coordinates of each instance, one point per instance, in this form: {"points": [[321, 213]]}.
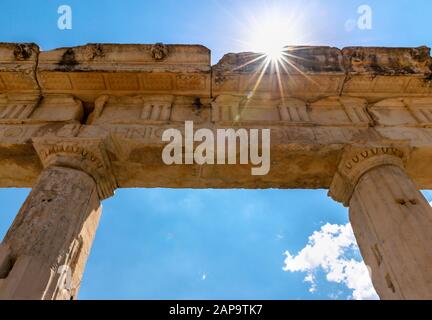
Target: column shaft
{"points": [[392, 222], [44, 252]]}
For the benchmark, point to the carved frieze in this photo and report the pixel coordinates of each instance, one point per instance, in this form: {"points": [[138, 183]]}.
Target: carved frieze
{"points": [[294, 110], [132, 109], [326, 98], [16, 107], [18, 62], [404, 112], [340, 111], [332, 111], [149, 109], [32, 109]]}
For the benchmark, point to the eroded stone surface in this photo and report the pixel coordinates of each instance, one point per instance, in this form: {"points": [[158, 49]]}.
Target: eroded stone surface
{"points": [[392, 220], [339, 119], [51, 235], [330, 99]]}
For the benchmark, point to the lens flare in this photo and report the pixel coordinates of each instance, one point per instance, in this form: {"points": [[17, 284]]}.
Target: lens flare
{"points": [[270, 30], [271, 39], [266, 38]]}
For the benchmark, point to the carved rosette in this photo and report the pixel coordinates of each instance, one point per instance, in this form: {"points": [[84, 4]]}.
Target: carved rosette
{"points": [[358, 160], [85, 154], [159, 51]]}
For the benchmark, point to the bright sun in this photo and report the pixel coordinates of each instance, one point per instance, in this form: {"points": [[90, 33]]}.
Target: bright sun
{"points": [[272, 30], [267, 39], [274, 52]]}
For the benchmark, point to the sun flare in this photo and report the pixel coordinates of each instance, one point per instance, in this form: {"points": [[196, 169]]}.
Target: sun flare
{"points": [[267, 39], [274, 53], [271, 30], [271, 40]]}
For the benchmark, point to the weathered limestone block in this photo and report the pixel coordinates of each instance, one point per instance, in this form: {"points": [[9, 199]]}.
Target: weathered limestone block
{"points": [[58, 108], [387, 61], [44, 252], [228, 109], [340, 111], [17, 107], [305, 59], [149, 109], [377, 73], [391, 220], [18, 62], [132, 93], [330, 111], [294, 111], [310, 71], [96, 69], [33, 109], [407, 112]]}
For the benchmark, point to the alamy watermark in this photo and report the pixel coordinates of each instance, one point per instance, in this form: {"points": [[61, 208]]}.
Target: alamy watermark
{"points": [[363, 21], [64, 22], [219, 148]]}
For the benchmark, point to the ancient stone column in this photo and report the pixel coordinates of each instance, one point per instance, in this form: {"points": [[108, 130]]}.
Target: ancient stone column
{"points": [[43, 255], [391, 219]]}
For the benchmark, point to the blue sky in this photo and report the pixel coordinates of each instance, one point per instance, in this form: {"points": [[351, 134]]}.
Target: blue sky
{"points": [[222, 244]]}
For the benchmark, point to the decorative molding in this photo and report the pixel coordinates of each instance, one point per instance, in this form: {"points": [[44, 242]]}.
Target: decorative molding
{"points": [[356, 161], [99, 106], [132, 109], [226, 108], [157, 108], [23, 51], [17, 108], [294, 110], [159, 51], [85, 154]]}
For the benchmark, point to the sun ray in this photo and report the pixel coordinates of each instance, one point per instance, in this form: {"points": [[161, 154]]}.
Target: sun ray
{"points": [[252, 92], [249, 62], [269, 37]]}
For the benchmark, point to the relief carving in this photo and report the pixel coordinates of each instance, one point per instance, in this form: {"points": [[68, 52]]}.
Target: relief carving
{"points": [[190, 82], [343, 111], [159, 51], [13, 107], [132, 109], [23, 51], [358, 160], [408, 112], [294, 110], [86, 154]]}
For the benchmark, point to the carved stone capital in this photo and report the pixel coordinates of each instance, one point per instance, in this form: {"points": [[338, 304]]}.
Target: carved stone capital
{"points": [[356, 161], [85, 154]]}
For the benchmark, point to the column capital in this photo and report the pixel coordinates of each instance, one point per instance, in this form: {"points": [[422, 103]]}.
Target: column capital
{"points": [[85, 154], [357, 160]]}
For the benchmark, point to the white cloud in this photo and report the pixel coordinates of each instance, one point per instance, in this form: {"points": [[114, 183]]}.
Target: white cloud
{"points": [[311, 279], [330, 249]]}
